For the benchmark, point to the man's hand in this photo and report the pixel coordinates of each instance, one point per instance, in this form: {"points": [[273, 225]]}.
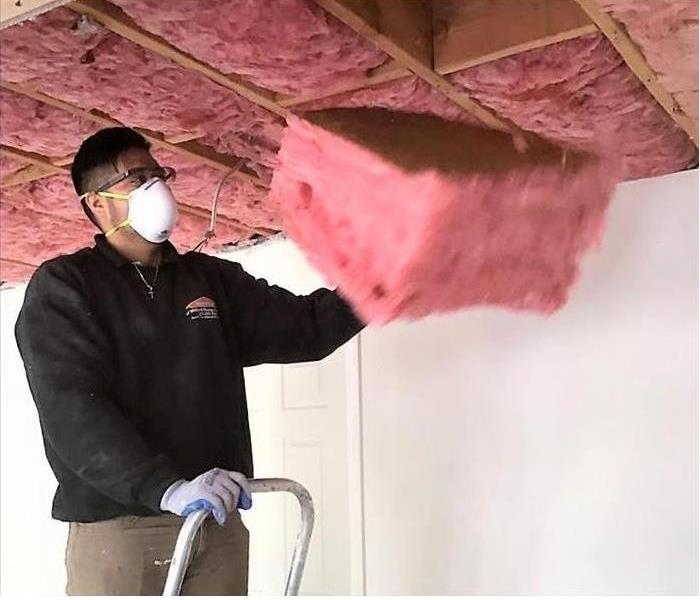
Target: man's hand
{"points": [[218, 491]]}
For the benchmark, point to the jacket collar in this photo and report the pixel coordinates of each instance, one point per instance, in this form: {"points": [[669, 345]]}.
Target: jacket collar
{"points": [[168, 252]]}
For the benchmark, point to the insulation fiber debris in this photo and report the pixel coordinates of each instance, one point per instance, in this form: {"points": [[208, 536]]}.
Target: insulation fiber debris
{"points": [[462, 218], [577, 93], [287, 46]]}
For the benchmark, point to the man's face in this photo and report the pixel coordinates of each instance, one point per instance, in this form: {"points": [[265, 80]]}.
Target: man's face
{"points": [[111, 212]]}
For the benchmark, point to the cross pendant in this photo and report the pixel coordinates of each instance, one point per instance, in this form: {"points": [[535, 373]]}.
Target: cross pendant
{"points": [[151, 294]]}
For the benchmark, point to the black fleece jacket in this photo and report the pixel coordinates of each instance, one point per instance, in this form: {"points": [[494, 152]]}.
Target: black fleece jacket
{"points": [[134, 393]]}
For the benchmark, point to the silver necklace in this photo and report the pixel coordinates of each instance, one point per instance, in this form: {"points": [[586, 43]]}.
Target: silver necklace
{"points": [[149, 286]]}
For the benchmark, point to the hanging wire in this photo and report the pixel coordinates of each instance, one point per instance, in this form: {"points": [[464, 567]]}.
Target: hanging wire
{"points": [[211, 232]]}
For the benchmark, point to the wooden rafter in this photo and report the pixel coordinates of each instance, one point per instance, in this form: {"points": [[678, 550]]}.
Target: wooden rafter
{"points": [[182, 137], [113, 18], [32, 158], [191, 149], [52, 169], [635, 60], [25, 174], [403, 29], [16, 11], [383, 74]]}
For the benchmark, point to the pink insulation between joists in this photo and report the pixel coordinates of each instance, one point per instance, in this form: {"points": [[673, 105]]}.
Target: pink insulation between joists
{"points": [[288, 46], [55, 132], [581, 93], [83, 64], [52, 132], [14, 272], [43, 219], [404, 245], [195, 184], [667, 33], [40, 220]]}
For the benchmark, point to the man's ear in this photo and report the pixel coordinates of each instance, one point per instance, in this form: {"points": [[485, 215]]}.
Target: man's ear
{"points": [[94, 200]]}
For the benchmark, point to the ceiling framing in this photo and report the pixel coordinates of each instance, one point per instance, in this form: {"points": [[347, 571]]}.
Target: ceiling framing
{"points": [[423, 39]]}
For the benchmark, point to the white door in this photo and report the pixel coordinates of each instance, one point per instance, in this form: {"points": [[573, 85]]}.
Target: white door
{"points": [[304, 426]]}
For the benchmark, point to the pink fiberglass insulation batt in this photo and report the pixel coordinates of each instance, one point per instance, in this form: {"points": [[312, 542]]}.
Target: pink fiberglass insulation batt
{"points": [[578, 92], [287, 46], [55, 132], [667, 33], [85, 65], [37, 127], [403, 238]]}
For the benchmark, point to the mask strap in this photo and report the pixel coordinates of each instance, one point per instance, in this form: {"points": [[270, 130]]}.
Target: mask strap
{"points": [[116, 228], [114, 195]]}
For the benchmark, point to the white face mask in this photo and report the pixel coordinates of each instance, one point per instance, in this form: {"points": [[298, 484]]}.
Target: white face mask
{"points": [[152, 210]]}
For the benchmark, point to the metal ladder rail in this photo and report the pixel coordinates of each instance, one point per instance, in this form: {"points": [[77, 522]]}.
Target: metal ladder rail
{"points": [[193, 522]]}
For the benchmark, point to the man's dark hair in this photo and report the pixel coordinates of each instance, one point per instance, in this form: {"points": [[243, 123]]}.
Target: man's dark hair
{"points": [[100, 150]]}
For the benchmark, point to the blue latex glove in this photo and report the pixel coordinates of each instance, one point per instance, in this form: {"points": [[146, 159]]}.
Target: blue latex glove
{"points": [[218, 491]]}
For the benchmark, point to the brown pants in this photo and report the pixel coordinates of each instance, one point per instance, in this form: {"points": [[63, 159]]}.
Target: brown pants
{"points": [[130, 556]]}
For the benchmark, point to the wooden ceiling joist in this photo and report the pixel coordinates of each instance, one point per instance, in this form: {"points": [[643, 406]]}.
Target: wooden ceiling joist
{"points": [[116, 20], [191, 149], [32, 158], [403, 29], [25, 175], [635, 60], [383, 74]]}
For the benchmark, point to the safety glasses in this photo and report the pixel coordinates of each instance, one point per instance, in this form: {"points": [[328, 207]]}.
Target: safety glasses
{"points": [[138, 176]]}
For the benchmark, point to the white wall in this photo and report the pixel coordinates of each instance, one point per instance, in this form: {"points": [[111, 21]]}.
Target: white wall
{"points": [[513, 454], [33, 545]]}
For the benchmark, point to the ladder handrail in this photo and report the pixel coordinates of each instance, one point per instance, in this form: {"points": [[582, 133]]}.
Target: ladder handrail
{"points": [[194, 521]]}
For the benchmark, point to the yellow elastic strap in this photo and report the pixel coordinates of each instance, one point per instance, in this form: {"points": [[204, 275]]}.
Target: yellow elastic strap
{"points": [[116, 228], [114, 195]]}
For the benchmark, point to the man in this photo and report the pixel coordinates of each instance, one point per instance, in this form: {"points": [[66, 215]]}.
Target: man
{"points": [[134, 355]]}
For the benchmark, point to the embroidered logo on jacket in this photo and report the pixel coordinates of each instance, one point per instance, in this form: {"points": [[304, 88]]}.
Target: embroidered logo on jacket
{"points": [[202, 308]]}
